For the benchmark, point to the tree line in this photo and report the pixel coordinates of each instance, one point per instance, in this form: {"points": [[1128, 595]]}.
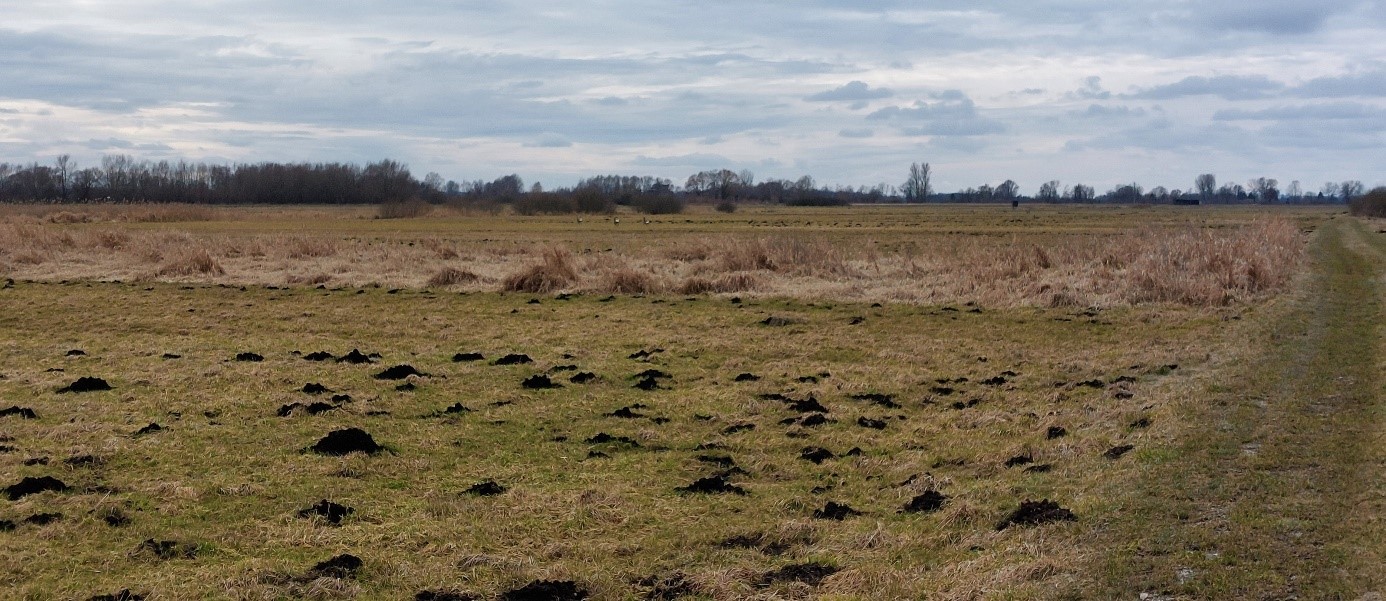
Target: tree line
{"points": [[121, 178]]}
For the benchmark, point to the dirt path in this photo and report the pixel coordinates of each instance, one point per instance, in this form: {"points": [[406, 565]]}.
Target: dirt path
{"points": [[1276, 488]]}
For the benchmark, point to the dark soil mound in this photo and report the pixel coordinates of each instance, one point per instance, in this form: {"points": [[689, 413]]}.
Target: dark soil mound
{"points": [[171, 356], [85, 384], [7, 526], [884, 400], [776, 322], [648, 384], [816, 454], [350, 440], [1055, 432], [960, 405], [855, 321], [76, 353], [669, 588], [569, 367], [355, 357], [626, 413], [455, 409], [513, 359], [251, 357], [341, 398], [1039, 468], [811, 574], [1117, 451], [834, 511], [813, 419], [539, 382], [582, 377], [547, 590], [809, 405], [746, 377], [1034, 513], [644, 354], [327, 510], [994, 381], [150, 429], [314, 388], [444, 596], [341, 566], [82, 460], [874, 424], [1143, 422], [930, 501], [487, 488], [23, 412], [115, 518], [652, 373], [1092, 383], [604, 438], [734, 428], [406, 387], [461, 357], [121, 595], [1019, 460], [399, 372], [168, 549], [318, 356], [712, 485], [942, 390], [43, 519]]}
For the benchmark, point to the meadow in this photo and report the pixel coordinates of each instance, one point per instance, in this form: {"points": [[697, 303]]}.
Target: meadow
{"points": [[946, 402]]}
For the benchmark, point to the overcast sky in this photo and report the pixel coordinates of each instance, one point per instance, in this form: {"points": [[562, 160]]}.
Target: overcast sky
{"points": [[1082, 91]]}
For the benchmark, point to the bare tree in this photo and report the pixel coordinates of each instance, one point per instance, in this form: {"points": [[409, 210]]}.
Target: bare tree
{"points": [[1081, 193], [1049, 191], [1265, 189], [916, 187], [1351, 189], [1207, 185], [1007, 191]]}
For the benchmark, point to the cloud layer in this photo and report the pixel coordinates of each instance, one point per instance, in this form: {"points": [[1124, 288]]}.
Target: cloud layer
{"points": [[1083, 91]]}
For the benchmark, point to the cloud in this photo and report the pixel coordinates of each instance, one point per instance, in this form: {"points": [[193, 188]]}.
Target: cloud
{"points": [[1367, 83], [864, 132], [1100, 111], [854, 91], [1278, 17], [694, 161], [550, 140], [1227, 87], [1317, 112], [954, 114]]}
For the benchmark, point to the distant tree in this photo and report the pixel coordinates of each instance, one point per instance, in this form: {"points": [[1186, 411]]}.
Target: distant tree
{"points": [[1125, 194], [64, 164], [916, 186], [1207, 185], [1007, 191], [1329, 190], [1081, 193], [1265, 189], [1294, 193], [1158, 195], [720, 183], [1048, 192], [1351, 189], [1372, 204]]}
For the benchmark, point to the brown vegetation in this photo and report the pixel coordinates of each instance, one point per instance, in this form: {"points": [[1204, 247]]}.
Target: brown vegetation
{"points": [[554, 272]]}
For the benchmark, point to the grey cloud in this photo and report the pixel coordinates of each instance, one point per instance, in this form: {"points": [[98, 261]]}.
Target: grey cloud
{"points": [[550, 141], [1332, 111], [695, 161], [853, 91], [1280, 17], [1227, 87], [954, 114], [1100, 111], [864, 132], [1367, 83]]}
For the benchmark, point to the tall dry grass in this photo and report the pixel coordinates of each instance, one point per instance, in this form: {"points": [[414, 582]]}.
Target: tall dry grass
{"points": [[1182, 265]]}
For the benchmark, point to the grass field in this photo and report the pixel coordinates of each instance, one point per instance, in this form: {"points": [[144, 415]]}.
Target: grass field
{"points": [[1217, 436]]}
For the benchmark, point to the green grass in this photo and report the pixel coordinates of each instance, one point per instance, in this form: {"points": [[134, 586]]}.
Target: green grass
{"points": [[228, 475]]}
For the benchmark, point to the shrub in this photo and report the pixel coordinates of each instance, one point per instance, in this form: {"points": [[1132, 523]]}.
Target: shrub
{"points": [[629, 281], [1371, 204], [659, 205], [588, 199], [553, 273], [543, 203], [731, 282], [196, 262], [726, 206], [452, 276]]}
